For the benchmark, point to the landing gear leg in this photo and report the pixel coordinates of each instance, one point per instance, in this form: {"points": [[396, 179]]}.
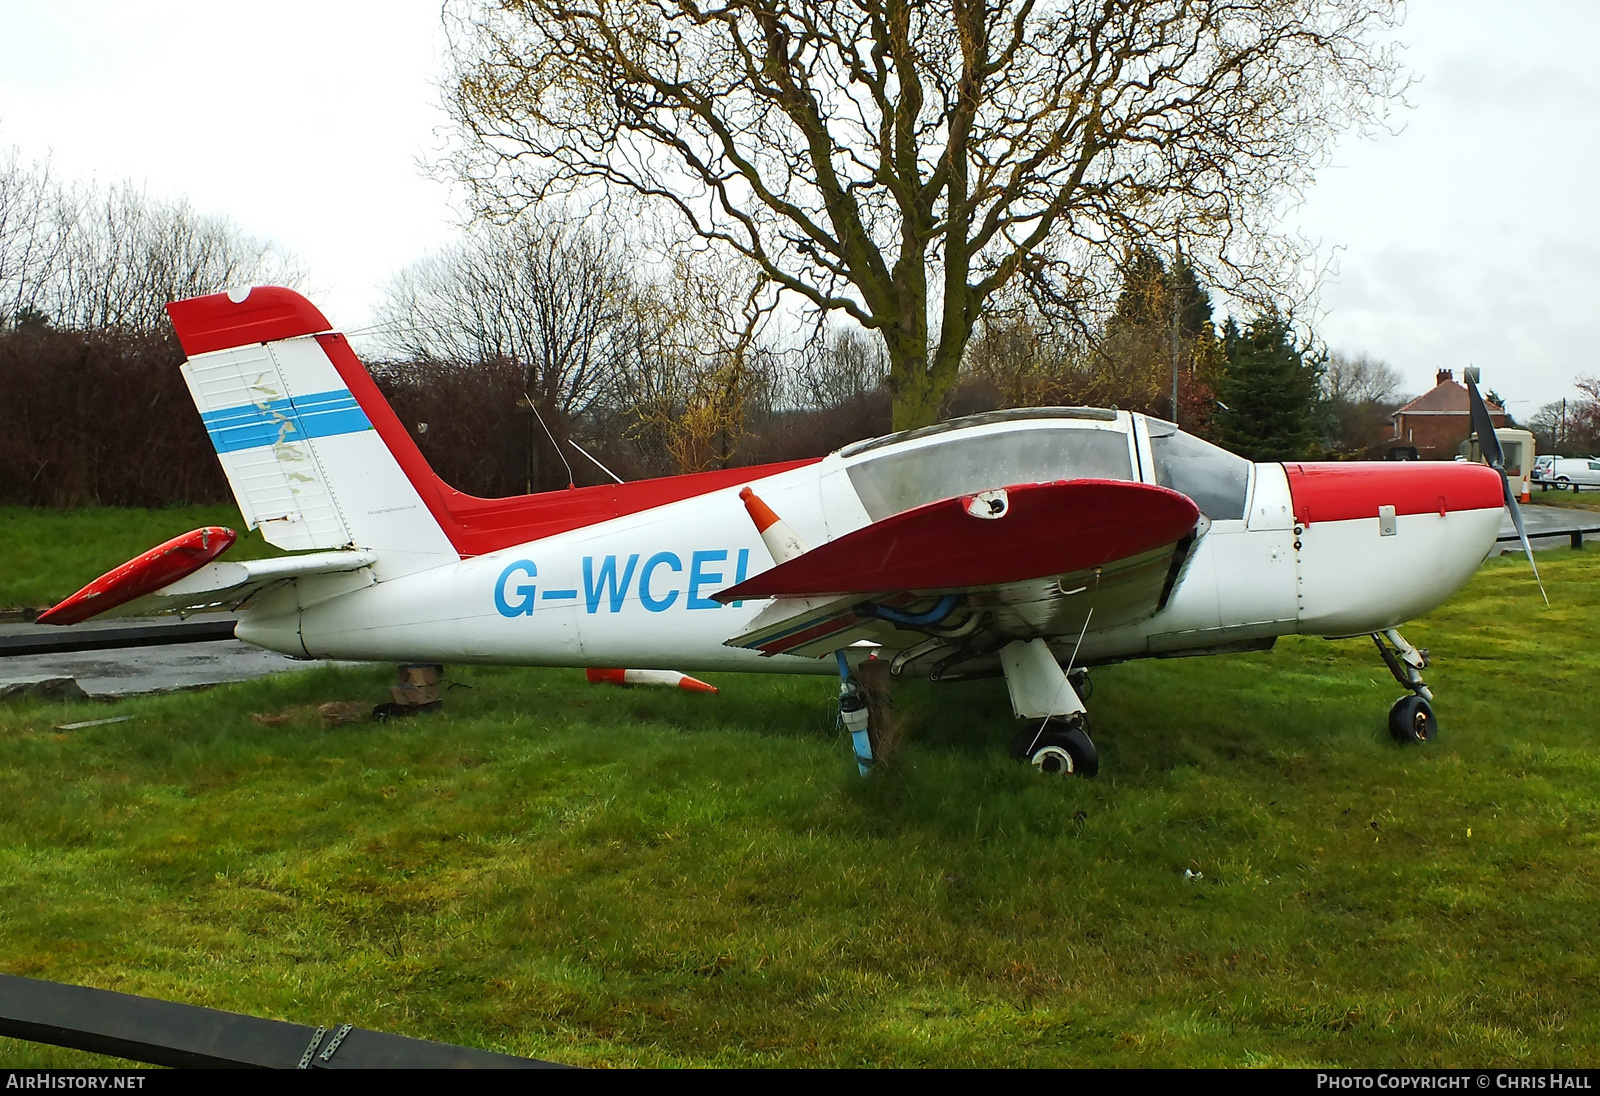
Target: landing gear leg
{"points": [[1057, 738], [854, 717], [1411, 719]]}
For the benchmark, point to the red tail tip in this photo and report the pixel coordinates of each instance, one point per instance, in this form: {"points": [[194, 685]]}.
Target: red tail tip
{"points": [[222, 321]]}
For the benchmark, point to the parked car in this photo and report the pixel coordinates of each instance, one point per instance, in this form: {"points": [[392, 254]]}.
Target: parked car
{"points": [[1541, 468], [1575, 472]]}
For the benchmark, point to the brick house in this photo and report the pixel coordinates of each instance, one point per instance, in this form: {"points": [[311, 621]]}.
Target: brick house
{"points": [[1438, 421]]}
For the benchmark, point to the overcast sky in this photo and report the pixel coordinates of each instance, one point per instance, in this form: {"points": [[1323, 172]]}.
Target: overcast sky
{"points": [[1471, 237]]}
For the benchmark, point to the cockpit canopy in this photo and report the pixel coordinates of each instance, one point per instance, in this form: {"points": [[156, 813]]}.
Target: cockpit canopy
{"points": [[1214, 478], [1040, 445]]}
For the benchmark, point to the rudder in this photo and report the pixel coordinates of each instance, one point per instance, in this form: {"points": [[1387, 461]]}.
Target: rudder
{"points": [[303, 459]]}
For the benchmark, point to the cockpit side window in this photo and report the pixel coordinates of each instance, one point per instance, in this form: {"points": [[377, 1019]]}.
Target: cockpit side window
{"points": [[961, 465], [1214, 478]]}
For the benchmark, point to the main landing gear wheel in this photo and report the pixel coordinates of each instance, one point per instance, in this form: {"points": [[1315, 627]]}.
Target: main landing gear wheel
{"points": [[1411, 720], [1058, 748]]}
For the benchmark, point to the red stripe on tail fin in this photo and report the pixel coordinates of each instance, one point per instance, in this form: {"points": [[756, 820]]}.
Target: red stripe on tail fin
{"points": [[477, 526], [473, 526]]}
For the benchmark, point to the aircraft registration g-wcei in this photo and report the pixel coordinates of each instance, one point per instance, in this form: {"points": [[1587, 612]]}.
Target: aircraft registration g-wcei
{"points": [[1033, 543]]}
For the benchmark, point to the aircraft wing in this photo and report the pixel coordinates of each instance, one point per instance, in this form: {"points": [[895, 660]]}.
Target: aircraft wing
{"points": [[181, 576], [1016, 562]]}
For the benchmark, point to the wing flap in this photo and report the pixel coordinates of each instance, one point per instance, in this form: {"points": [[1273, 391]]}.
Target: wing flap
{"points": [[815, 627]]}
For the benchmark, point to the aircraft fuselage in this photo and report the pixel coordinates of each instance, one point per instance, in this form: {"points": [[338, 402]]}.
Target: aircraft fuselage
{"points": [[1322, 549]]}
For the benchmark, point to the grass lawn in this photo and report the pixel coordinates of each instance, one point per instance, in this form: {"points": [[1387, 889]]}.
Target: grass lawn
{"points": [[1567, 500], [624, 877], [48, 555]]}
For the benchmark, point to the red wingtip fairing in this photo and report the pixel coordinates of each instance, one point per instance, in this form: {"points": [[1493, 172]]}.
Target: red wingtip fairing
{"points": [[160, 566]]}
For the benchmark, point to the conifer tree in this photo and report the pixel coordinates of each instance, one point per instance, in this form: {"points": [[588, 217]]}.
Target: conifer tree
{"points": [[1161, 312], [1270, 392]]}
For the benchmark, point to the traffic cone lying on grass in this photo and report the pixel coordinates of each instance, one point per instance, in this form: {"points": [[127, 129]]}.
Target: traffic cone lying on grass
{"points": [[670, 678]]}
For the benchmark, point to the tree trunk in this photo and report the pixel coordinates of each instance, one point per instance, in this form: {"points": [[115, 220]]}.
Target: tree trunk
{"points": [[914, 399], [920, 379]]}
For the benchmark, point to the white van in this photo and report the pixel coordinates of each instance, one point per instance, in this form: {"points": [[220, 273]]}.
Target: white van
{"points": [[1575, 472]]}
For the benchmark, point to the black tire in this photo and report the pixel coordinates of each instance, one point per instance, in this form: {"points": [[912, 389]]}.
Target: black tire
{"points": [[1411, 720], [1058, 749]]}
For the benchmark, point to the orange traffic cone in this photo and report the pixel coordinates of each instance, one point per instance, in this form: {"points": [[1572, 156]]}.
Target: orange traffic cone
{"points": [[775, 532], [670, 678]]}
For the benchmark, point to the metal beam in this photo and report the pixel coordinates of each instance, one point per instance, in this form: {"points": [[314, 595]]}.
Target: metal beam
{"points": [[45, 639], [1574, 534], [166, 1033]]}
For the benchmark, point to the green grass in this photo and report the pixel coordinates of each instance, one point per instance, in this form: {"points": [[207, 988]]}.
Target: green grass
{"points": [[51, 554], [1566, 500], [621, 877]]}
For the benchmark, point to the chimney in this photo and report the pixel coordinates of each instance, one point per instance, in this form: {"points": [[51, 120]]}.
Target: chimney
{"points": [[1444, 375]]}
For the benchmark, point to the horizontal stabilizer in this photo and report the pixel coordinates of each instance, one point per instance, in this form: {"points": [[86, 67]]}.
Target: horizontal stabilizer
{"points": [[1028, 531], [160, 566], [204, 586]]}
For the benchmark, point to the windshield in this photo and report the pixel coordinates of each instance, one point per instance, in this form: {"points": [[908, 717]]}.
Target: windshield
{"points": [[1214, 478], [965, 464]]}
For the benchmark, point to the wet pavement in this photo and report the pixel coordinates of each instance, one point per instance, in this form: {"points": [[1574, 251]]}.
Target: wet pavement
{"points": [[1546, 525]]}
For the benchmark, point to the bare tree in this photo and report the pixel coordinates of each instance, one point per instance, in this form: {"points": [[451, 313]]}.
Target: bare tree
{"points": [[1583, 418], [698, 363], [843, 365], [1026, 362], [32, 236], [88, 259], [1359, 379], [542, 301], [548, 298], [1570, 427], [902, 163], [125, 256], [1361, 395]]}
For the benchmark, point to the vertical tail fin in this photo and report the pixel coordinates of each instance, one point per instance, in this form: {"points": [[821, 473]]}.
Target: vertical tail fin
{"points": [[300, 452]]}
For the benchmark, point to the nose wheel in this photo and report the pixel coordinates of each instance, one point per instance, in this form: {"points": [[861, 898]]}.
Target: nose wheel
{"points": [[1411, 719]]}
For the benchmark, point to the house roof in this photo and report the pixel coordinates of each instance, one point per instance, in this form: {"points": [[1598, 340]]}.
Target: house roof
{"points": [[1448, 397]]}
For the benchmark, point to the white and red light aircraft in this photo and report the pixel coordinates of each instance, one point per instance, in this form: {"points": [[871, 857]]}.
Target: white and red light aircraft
{"points": [[1008, 542]]}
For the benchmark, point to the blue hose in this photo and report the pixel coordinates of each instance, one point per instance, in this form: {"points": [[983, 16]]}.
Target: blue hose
{"points": [[914, 620]]}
